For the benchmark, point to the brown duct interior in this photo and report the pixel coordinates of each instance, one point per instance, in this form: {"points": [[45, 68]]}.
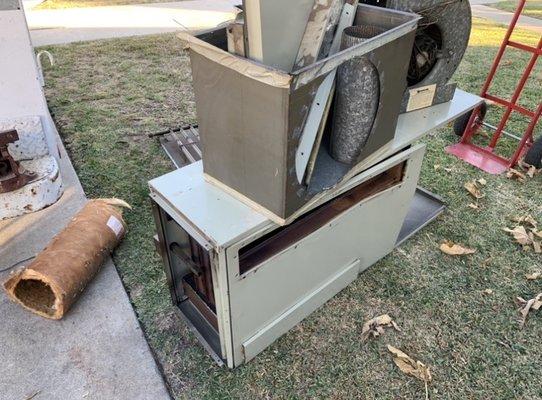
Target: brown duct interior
{"points": [[36, 295]]}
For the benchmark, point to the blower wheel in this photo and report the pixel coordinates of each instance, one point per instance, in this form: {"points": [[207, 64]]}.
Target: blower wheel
{"points": [[441, 39], [424, 56]]}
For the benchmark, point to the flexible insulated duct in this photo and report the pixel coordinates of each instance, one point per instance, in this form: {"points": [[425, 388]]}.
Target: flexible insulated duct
{"points": [[357, 97]]}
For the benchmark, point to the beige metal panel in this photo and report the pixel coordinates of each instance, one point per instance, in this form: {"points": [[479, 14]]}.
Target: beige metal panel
{"points": [[302, 309], [205, 211], [225, 98], [260, 298]]}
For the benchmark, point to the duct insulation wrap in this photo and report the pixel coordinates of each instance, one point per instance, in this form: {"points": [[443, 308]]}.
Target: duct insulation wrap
{"points": [[357, 98], [54, 280]]}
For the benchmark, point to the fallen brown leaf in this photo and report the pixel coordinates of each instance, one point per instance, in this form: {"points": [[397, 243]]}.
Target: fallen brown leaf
{"points": [[515, 174], [474, 206], [526, 220], [528, 305], [520, 234], [375, 326], [534, 276], [409, 366], [537, 247], [532, 171], [474, 190], [482, 181], [454, 249]]}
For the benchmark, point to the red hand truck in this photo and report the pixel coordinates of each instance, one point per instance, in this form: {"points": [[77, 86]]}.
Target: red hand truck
{"points": [[485, 158]]}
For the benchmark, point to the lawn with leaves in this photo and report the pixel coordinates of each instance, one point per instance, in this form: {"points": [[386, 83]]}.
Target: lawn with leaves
{"points": [[457, 315], [533, 8]]}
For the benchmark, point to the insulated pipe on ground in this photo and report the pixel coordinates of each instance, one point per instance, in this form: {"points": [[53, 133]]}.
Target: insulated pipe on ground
{"points": [[52, 283]]}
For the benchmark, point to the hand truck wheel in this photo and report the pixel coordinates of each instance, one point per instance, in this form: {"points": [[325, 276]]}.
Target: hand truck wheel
{"points": [[534, 155], [460, 124]]}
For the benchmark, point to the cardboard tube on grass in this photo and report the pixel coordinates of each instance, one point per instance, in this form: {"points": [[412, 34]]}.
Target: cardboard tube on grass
{"points": [[53, 281]]}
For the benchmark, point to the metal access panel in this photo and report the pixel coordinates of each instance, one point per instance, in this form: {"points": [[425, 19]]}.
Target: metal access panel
{"points": [[267, 278]]}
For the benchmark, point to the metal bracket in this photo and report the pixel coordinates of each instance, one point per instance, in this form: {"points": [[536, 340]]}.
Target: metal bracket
{"points": [[178, 252], [12, 175]]}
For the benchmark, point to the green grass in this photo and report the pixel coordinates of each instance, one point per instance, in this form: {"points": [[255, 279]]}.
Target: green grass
{"points": [[55, 4], [105, 95], [533, 8]]}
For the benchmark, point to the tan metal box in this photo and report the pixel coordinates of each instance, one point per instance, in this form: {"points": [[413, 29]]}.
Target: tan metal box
{"points": [[251, 117]]}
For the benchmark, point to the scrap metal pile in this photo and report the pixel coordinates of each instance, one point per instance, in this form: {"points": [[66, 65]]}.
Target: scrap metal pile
{"points": [[308, 114]]}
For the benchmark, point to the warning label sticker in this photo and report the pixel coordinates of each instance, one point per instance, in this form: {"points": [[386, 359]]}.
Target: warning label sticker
{"points": [[421, 97]]}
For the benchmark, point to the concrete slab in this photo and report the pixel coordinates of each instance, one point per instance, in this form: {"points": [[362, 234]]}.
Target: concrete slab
{"points": [[82, 24], [98, 351], [504, 17]]}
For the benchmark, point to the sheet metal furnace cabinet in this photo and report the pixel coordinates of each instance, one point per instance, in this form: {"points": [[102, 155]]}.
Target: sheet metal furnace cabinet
{"points": [[241, 281], [251, 281]]}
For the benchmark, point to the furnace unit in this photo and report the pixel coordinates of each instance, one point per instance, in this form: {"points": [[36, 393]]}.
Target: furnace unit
{"points": [[241, 281]]}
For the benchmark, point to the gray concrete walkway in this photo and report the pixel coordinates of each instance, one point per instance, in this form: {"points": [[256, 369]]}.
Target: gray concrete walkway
{"points": [[482, 9], [82, 24], [97, 351]]}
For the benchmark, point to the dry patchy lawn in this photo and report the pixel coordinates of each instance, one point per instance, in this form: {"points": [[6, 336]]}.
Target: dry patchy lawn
{"points": [[533, 8]]}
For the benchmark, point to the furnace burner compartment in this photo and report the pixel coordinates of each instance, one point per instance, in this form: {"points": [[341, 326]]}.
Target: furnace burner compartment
{"points": [[189, 273]]}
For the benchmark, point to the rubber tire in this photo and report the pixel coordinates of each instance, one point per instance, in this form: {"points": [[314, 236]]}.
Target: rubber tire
{"points": [[454, 22], [534, 155], [460, 124]]}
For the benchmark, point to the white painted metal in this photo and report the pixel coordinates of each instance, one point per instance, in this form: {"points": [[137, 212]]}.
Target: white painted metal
{"points": [[212, 213], [45, 190], [258, 307], [280, 283], [299, 311], [31, 143]]}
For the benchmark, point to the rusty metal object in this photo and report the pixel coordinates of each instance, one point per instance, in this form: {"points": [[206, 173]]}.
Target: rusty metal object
{"points": [[357, 98], [12, 175]]}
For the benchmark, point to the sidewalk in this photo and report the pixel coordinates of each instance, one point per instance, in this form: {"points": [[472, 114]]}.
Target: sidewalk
{"points": [[97, 351], [481, 10], [81, 24]]}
